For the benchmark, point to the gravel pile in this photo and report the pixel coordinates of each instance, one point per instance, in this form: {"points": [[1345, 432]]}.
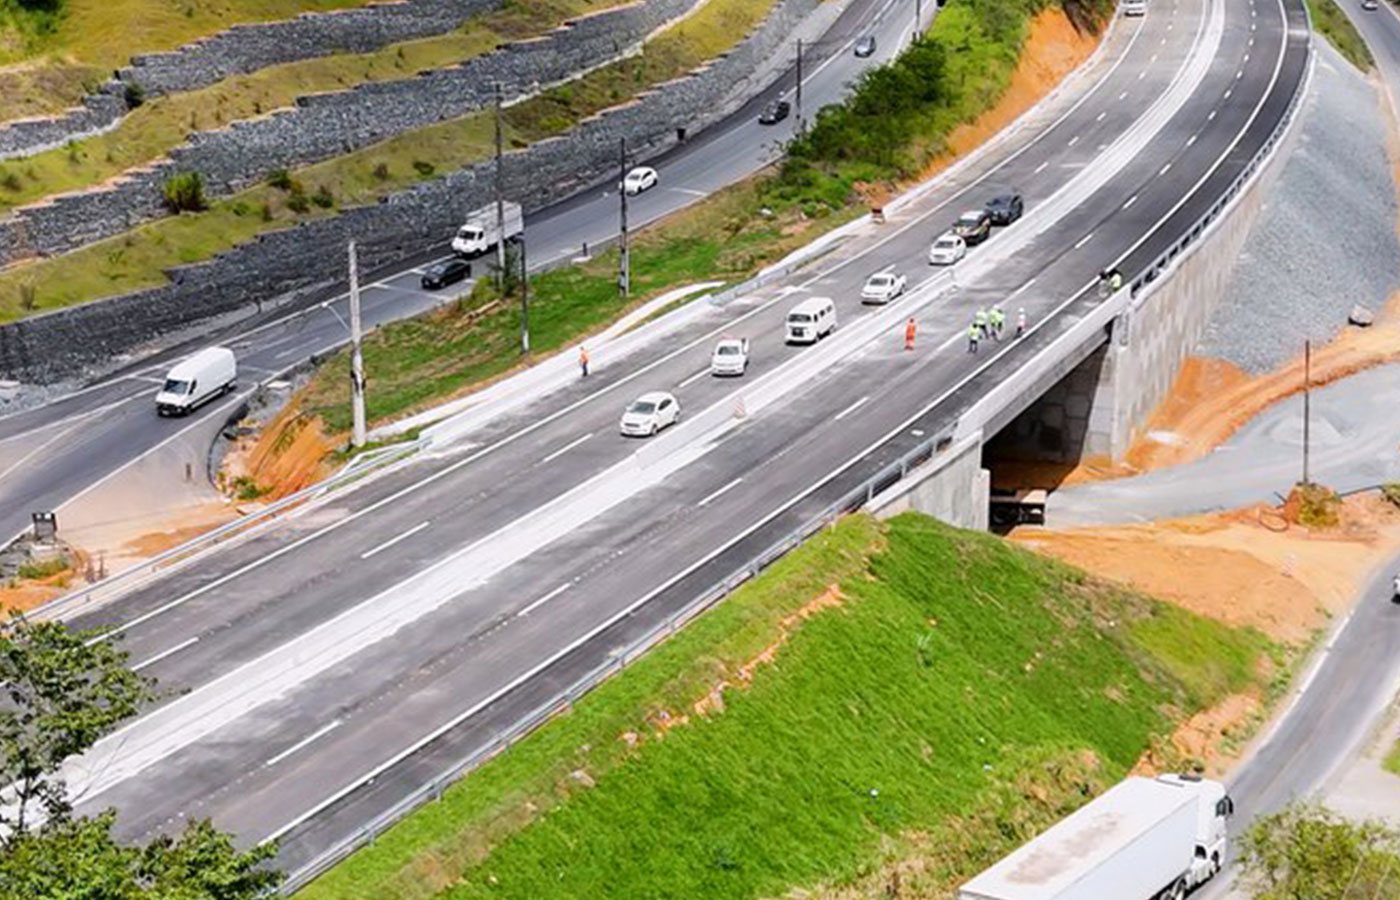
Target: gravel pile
{"points": [[1326, 238]]}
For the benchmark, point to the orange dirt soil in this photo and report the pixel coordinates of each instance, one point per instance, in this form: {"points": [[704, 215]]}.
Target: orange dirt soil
{"points": [[24, 595], [288, 455], [1054, 47], [1250, 567]]}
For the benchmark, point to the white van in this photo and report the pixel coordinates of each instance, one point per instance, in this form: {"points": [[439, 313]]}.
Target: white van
{"points": [[811, 320], [197, 379]]}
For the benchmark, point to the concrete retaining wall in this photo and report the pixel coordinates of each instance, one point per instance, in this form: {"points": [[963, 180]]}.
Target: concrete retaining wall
{"points": [[60, 344], [952, 486], [322, 126]]}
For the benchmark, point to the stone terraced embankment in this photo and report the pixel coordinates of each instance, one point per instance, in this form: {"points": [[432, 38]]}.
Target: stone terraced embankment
{"points": [[61, 343], [323, 126]]}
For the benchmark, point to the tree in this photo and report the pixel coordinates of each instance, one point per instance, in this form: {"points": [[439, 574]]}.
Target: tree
{"points": [[1308, 852], [66, 691]]}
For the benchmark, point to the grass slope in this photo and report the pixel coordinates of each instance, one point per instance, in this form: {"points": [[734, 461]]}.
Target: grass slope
{"points": [[957, 677], [1328, 18], [139, 258]]}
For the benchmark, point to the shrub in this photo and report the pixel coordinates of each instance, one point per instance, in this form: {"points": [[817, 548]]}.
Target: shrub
{"points": [[1317, 505], [280, 179], [239, 208], [28, 297], [245, 488], [424, 168], [45, 569], [184, 192], [1391, 492], [323, 197], [296, 200], [10, 181], [381, 172], [133, 94]]}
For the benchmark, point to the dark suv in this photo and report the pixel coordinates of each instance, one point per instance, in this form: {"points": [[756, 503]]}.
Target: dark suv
{"points": [[774, 112], [973, 226], [1005, 208]]}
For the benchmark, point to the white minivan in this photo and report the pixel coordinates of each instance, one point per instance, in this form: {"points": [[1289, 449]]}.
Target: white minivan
{"points": [[811, 320], [197, 379]]}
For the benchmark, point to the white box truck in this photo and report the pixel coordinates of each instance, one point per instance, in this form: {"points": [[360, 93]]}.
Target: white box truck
{"points": [[1143, 839], [478, 234], [197, 379]]}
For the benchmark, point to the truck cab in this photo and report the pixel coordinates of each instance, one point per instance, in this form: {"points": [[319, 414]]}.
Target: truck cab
{"points": [[1213, 810]]}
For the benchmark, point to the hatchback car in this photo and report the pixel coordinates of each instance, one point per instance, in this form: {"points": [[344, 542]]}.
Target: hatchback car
{"points": [[731, 357], [973, 226], [865, 46], [1005, 208], [442, 274], [1370, 5], [640, 179], [948, 249], [882, 287], [774, 112], [650, 413]]}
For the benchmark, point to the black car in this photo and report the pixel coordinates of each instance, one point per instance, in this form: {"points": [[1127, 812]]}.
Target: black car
{"points": [[973, 226], [1005, 208], [774, 112], [445, 273], [866, 46]]}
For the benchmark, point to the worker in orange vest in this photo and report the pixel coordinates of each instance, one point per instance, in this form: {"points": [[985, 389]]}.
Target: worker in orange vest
{"points": [[909, 329], [583, 360]]}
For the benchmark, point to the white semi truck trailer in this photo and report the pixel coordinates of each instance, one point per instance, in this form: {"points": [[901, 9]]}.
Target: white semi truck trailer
{"points": [[1143, 839]]}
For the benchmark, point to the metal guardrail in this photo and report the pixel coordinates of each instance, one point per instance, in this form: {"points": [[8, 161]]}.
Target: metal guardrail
{"points": [[77, 601], [849, 502]]}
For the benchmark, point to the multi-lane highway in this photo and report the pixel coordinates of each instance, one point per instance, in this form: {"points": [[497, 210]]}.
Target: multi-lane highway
{"points": [[397, 628], [51, 454]]}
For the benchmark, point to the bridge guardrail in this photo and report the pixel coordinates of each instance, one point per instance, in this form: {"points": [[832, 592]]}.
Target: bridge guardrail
{"points": [[850, 501]]}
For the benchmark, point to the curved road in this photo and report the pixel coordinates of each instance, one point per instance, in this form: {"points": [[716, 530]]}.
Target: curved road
{"points": [[397, 628]]}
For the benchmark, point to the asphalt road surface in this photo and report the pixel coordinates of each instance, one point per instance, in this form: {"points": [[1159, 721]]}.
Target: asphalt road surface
{"points": [[51, 454], [398, 628]]}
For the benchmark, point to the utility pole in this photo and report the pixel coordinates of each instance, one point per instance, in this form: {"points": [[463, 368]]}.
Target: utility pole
{"points": [[1307, 405], [918, 20], [624, 263], [799, 85], [524, 299], [357, 359], [500, 196]]}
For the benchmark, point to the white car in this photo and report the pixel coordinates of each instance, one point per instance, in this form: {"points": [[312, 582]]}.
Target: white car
{"points": [[882, 287], [640, 179], [731, 357], [948, 249], [1134, 7], [650, 413]]}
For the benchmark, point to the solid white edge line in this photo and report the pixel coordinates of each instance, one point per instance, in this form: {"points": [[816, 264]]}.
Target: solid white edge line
{"points": [[545, 599], [394, 540], [164, 653], [814, 486], [302, 744], [566, 448]]}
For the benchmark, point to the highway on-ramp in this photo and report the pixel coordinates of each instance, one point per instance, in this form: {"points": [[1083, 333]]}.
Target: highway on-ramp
{"points": [[50, 455], [339, 661]]}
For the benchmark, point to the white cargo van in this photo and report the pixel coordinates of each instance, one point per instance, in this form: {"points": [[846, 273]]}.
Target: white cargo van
{"points": [[478, 234], [811, 320], [197, 379]]}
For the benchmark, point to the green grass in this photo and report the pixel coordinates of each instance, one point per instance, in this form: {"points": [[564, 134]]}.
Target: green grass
{"points": [[139, 258], [958, 676], [1328, 18], [419, 361], [36, 570], [1391, 763]]}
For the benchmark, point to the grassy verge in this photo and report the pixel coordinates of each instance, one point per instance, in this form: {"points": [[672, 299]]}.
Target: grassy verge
{"points": [[1328, 18], [152, 130], [416, 362], [901, 728], [139, 258]]}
